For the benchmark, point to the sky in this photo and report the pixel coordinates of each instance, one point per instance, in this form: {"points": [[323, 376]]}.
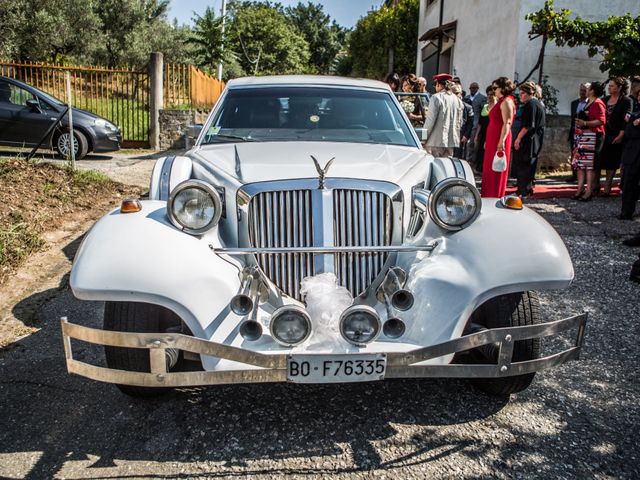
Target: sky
{"points": [[344, 12]]}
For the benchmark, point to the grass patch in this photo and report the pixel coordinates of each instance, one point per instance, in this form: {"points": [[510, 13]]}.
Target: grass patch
{"points": [[82, 178], [18, 239]]}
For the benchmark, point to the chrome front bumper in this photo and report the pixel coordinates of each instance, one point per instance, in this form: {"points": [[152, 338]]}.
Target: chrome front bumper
{"points": [[273, 368]]}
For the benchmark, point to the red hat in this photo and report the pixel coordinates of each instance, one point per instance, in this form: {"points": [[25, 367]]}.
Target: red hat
{"points": [[442, 77]]}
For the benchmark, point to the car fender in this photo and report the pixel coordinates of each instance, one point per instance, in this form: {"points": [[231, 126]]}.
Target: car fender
{"points": [[168, 172], [142, 257], [503, 251]]}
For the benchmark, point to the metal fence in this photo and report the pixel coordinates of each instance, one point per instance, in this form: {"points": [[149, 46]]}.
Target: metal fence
{"points": [[120, 95]]}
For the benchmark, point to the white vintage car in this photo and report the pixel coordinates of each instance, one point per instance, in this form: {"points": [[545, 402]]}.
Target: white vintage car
{"points": [[307, 237]]}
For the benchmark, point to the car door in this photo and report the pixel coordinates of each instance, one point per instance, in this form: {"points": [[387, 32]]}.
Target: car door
{"points": [[20, 124]]}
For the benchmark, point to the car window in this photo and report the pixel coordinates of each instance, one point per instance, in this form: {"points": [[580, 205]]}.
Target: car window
{"points": [[45, 106], [309, 113], [9, 93]]}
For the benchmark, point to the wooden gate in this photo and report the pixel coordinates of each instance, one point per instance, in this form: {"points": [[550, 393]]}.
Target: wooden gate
{"points": [[119, 95]]}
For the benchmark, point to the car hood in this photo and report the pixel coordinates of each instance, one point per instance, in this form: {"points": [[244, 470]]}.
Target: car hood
{"points": [[265, 161]]}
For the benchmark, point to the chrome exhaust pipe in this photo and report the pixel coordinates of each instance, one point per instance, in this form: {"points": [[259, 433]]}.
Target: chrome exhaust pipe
{"points": [[393, 327], [402, 300], [248, 297], [251, 330], [392, 288]]}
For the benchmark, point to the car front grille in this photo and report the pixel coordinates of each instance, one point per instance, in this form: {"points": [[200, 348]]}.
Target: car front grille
{"points": [[285, 219]]}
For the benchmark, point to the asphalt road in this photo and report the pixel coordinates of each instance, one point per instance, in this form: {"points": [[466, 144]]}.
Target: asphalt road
{"points": [[576, 421]]}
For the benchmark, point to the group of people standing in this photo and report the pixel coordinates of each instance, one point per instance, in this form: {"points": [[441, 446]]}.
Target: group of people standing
{"points": [[479, 127], [605, 136]]}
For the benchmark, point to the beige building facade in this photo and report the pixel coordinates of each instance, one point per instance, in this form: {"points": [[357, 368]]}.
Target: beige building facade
{"points": [[485, 39]]}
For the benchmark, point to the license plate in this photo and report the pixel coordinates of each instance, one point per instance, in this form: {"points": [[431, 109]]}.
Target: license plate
{"points": [[336, 368]]}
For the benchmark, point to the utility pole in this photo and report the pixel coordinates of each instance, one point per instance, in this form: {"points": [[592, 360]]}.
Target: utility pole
{"points": [[72, 144], [223, 12]]}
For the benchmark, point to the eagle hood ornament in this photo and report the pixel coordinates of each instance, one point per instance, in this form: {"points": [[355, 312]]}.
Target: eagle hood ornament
{"points": [[322, 172]]}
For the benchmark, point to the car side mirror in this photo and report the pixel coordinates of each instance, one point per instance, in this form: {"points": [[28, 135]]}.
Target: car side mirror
{"points": [[422, 133], [34, 105], [192, 133]]}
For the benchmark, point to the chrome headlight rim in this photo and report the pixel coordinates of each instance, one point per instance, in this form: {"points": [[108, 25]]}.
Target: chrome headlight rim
{"points": [[365, 308], [201, 185], [443, 186], [280, 311]]}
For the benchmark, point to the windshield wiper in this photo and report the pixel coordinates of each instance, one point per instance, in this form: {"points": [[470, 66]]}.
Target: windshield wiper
{"points": [[232, 137]]}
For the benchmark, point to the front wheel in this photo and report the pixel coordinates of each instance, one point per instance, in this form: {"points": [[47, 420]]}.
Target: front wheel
{"points": [[80, 145], [512, 310], [137, 318]]}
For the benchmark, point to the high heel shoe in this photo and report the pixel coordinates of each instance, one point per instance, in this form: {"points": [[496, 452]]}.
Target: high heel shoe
{"points": [[586, 198], [578, 195]]}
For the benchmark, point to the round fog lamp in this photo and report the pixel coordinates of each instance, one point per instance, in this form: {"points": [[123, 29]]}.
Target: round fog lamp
{"points": [[290, 325], [194, 206], [454, 204], [359, 324]]}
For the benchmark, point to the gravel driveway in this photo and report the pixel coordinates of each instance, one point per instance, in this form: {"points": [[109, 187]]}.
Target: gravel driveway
{"points": [[576, 421]]}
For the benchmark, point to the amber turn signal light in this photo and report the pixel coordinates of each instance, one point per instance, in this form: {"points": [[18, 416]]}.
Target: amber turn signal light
{"points": [[512, 202], [130, 205]]}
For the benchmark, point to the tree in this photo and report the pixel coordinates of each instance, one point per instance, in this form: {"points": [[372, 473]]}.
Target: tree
{"points": [[11, 18], [47, 30], [325, 38], [617, 39], [128, 27], [391, 27], [207, 39], [265, 40]]}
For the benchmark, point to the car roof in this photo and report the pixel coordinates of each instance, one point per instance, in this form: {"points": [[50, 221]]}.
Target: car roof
{"points": [[315, 80]]}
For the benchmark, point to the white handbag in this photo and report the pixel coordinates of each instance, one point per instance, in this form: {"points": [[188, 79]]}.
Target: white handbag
{"points": [[499, 162]]}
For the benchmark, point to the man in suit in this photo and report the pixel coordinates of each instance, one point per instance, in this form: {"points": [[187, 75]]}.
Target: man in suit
{"points": [[444, 118], [528, 143], [477, 100]]}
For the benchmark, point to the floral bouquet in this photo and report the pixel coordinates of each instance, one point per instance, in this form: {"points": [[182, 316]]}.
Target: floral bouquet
{"points": [[407, 106]]}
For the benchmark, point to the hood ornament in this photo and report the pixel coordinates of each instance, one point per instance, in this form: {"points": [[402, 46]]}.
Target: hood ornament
{"points": [[322, 172]]}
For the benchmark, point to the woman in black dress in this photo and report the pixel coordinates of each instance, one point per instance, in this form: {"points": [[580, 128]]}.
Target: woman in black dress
{"points": [[619, 105]]}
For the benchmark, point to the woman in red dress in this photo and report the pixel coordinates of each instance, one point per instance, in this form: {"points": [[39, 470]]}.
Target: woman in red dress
{"points": [[494, 184]]}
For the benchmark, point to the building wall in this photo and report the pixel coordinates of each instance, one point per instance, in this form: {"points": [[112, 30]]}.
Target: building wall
{"points": [[566, 67], [484, 28]]}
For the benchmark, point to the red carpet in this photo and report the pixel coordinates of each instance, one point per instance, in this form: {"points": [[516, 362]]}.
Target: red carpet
{"points": [[559, 190]]}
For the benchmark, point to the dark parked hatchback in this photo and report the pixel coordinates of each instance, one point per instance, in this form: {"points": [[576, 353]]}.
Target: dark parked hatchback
{"points": [[26, 113]]}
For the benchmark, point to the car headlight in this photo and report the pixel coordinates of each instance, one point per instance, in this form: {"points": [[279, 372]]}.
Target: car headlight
{"points": [[290, 325], [360, 324], [454, 204], [100, 122], [194, 206]]}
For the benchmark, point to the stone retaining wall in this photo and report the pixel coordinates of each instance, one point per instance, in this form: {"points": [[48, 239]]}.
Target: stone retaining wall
{"points": [[555, 151], [174, 123]]}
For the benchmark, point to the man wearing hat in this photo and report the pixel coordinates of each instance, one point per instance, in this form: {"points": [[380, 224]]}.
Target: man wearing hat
{"points": [[444, 118]]}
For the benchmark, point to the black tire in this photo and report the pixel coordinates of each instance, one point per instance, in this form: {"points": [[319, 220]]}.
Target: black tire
{"points": [[81, 144], [139, 318], [512, 310]]}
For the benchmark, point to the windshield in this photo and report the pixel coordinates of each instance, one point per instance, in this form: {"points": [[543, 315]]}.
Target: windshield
{"points": [[309, 114]]}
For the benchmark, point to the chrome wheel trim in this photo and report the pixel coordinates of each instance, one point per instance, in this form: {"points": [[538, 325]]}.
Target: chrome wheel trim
{"points": [[63, 144]]}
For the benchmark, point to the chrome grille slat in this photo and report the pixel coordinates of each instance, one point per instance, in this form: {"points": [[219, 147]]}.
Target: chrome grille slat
{"points": [[284, 219]]}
